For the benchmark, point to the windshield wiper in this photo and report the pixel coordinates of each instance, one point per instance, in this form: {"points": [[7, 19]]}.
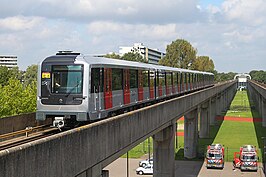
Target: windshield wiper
{"points": [[72, 90]]}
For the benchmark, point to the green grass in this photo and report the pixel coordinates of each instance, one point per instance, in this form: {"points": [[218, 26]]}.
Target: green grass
{"points": [[241, 106], [140, 150]]}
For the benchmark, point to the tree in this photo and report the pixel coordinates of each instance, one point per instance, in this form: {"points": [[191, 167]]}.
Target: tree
{"points": [[203, 63], [112, 55], [29, 94], [6, 74], [130, 56], [180, 54], [31, 74], [11, 98], [221, 77], [16, 99], [259, 76]]}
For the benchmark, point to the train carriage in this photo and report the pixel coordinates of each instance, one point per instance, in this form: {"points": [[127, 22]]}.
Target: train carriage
{"points": [[77, 88]]}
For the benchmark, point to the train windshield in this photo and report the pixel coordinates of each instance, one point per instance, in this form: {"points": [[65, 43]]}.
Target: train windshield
{"points": [[67, 79]]}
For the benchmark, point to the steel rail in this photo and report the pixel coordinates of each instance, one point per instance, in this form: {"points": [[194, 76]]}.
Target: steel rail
{"points": [[42, 134], [25, 131]]}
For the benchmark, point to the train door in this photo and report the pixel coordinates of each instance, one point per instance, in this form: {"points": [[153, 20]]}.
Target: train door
{"points": [[108, 88], [126, 86], [178, 82], [168, 85], [151, 80], [187, 80], [197, 81], [193, 81], [140, 86], [174, 81], [96, 89], [161, 83], [182, 82], [133, 84]]}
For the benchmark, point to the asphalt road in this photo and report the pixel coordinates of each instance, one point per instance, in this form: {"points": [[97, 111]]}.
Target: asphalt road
{"points": [[183, 169]]}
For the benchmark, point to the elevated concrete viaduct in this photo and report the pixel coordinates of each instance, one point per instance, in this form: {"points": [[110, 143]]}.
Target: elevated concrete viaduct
{"points": [[258, 93], [85, 151]]}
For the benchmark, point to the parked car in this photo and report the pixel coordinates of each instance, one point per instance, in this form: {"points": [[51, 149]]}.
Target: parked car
{"points": [[148, 169], [146, 162]]}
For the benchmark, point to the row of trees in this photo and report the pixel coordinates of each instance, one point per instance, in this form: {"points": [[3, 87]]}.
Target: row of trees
{"points": [[17, 90], [130, 56], [259, 76]]}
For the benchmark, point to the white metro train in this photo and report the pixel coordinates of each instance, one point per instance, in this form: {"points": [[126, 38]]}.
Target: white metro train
{"points": [[75, 88]]}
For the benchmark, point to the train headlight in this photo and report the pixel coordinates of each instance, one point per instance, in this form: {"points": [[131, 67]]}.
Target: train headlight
{"points": [[82, 117]]}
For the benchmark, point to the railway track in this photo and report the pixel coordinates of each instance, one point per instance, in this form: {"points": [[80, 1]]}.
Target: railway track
{"points": [[24, 136], [261, 84]]}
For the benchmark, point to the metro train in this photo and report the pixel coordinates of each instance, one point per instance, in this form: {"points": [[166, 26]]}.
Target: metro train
{"points": [[75, 88]]}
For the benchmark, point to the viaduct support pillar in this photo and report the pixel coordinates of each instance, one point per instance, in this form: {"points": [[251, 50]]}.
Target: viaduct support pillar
{"points": [[190, 134], [218, 105], [164, 152], [95, 171], [212, 105], [263, 112], [222, 101], [204, 120], [226, 101], [260, 101]]}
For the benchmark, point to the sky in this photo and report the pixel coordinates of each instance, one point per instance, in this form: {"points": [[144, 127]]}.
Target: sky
{"points": [[231, 32]]}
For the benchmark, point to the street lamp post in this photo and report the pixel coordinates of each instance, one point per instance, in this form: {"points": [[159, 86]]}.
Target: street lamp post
{"points": [[149, 148], [127, 165]]}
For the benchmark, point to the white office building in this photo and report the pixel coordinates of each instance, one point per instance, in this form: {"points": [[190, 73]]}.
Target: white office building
{"points": [[151, 55], [9, 61]]}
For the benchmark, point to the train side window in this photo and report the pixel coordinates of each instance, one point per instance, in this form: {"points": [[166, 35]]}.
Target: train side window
{"points": [[169, 79], [184, 78], [178, 77], [161, 78], [152, 76], [96, 80], [145, 78], [175, 78], [133, 78], [181, 78], [117, 83]]}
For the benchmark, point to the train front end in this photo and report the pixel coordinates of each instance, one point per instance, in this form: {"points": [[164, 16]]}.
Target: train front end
{"points": [[61, 94]]}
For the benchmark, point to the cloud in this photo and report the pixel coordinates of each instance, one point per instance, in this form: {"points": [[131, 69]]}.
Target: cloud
{"points": [[127, 11], [250, 12], [19, 23], [140, 30]]}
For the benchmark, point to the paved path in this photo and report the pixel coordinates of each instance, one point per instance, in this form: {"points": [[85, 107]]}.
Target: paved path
{"points": [[183, 169]]}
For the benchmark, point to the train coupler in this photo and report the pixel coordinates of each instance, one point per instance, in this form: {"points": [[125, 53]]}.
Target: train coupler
{"points": [[59, 122]]}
